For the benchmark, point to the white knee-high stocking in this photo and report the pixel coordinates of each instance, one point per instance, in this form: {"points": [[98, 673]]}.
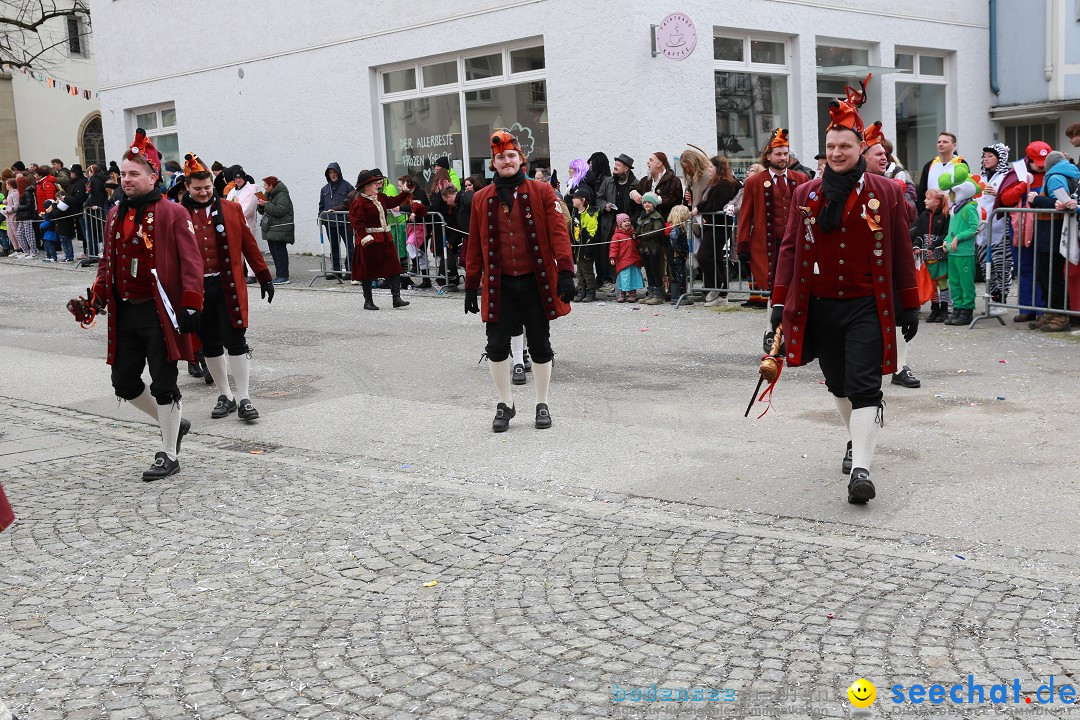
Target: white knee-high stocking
{"points": [[500, 373], [241, 370], [169, 419], [517, 348], [146, 403], [219, 368], [542, 377], [864, 432], [843, 406]]}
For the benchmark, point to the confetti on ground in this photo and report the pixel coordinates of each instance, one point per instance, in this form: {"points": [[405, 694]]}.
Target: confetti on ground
{"points": [[431, 583], [1003, 362], [256, 452], [830, 615]]}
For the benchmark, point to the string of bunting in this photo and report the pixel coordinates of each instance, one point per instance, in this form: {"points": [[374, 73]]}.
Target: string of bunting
{"points": [[55, 83]]}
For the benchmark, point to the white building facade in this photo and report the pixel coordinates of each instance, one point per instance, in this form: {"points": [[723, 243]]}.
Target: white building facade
{"points": [[44, 120], [366, 85]]}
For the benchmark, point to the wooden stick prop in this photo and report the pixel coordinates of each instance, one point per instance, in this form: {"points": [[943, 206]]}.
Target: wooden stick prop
{"points": [[768, 371]]}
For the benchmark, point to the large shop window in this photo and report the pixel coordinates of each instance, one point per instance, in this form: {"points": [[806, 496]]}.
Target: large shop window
{"points": [[921, 107], [160, 126], [450, 106], [751, 94]]}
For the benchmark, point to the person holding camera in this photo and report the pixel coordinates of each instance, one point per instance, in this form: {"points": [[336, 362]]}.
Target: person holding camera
{"points": [[519, 270], [375, 254]]}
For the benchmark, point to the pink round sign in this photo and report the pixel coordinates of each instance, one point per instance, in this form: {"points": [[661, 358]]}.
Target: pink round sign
{"points": [[676, 36]]}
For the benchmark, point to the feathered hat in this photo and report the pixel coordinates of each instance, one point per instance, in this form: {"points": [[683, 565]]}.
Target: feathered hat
{"points": [[779, 139], [502, 141], [192, 164], [874, 136], [143, 146], [844, 114]]}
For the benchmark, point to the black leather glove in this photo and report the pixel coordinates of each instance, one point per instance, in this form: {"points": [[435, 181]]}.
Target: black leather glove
{"points": [[909, 322], [266, 290], [472, 305], [566, 286], [188, 320], [777, 316], [744, 256]]}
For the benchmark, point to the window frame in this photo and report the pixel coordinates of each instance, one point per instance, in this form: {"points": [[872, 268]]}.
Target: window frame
{"points": [[158, 109], [82, 37], [462, 86], [916, 66]]}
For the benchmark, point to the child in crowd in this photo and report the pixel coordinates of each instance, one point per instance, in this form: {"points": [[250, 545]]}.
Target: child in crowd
{"points": [[586, 224], [48, 232], [5, 244], [928, 233], [960, 241], [679, 240], [626, 260], [650, 235]]}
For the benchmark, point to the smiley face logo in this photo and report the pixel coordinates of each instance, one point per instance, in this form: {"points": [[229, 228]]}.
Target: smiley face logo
{"points": [[862, 693]]}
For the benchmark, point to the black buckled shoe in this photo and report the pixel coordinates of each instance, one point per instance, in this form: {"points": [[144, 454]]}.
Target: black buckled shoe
{"points": [[185, 428], [845, 467], [224, 407], [247, 411], [163, 467], [195, 370], [503, 414], [906, 378], [859, 489], [208, 378], [543, 416], [519, 374]]}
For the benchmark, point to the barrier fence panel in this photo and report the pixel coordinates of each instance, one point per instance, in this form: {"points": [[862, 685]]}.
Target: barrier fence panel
{"points": [[1046, 250], [717, 267], [418, 242], [94, 222]]}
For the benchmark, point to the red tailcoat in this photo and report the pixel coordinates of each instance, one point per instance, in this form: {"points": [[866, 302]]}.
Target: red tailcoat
{"points": [[178, 261], [885, 251], [379, 258], [550, 247], [7, 515], [755, 232], [239, 244]]}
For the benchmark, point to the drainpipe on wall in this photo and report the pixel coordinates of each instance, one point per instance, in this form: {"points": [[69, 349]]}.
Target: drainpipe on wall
{"points": [[995, 86], [1048, 45]]}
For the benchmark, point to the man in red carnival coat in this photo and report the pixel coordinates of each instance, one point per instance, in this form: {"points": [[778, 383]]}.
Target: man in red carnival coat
{"points": [[518, 271], [845, 283], [225, 241], [7, 515], [764, 213], [150, 282]]}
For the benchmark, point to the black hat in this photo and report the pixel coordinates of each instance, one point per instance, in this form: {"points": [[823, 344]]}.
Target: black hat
{"points": [[76, 168], [238, 172], [583, 191], [626, 160], [443, 162], [819, 156], [367, 176]]}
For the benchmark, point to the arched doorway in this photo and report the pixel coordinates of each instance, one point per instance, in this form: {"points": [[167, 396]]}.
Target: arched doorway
{"points": [[92, 141]]}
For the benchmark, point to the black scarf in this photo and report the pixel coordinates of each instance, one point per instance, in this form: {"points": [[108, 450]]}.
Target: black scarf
{"points": [[836, 187], [505, 187], [139, 203]]}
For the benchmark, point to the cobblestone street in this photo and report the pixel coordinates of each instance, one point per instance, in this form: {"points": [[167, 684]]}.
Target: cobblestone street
{"points": [[386, 577]]}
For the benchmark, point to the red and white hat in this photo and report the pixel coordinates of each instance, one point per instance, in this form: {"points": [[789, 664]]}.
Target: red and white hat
{"points": [[844, 114], [143, 146]]}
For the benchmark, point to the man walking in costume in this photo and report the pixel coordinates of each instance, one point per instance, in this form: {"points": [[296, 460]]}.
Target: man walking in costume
{"points": [[845, 284], [150, 282], [764, 214], [518, 271], [225, 242]]}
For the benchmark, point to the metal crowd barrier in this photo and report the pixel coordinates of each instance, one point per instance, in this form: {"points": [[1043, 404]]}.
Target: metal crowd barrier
{"points": [[1041, 242], [715, 266], [424, 241], [94, 221]]}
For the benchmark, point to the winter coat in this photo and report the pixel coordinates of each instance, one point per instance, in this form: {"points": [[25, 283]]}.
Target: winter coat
{"points": [[245, 196], [279, 209], [586, 226], [45, 190], [97, 194], [605, 194], [928, 232], [27, 205], [624, 251], [650, 233], [669, 189], [1063, 178], [332, 196]]}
